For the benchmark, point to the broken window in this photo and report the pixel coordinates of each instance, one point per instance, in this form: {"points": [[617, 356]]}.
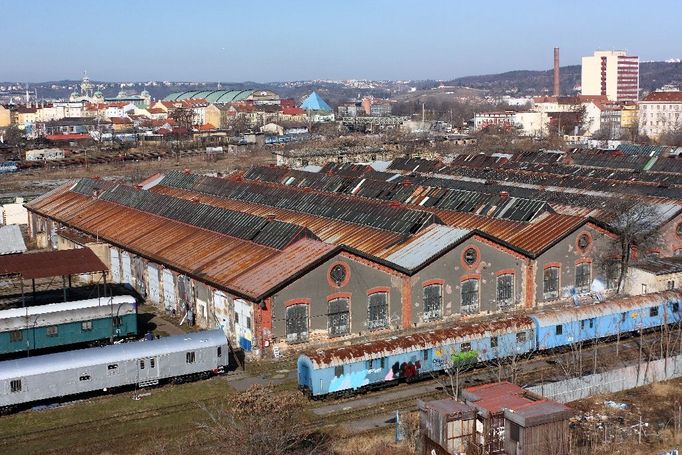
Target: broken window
{"points": [[433, 299], [297, 323], [378, 310], [470, 296], [653, 311], [339, 317], [505, 290], [550, 288], [583, 276]]}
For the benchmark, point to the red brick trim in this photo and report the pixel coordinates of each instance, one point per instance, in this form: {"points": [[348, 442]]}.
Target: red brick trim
{"points": [[589, 245], [291, 302], [505, 272], [499, 247], [478, 257], [339, 295], [378, 290], [530, 289], [266, 314], [583, 261], [435, 281], [552, 264], [329, 271], [406, 303], [470, 276]]}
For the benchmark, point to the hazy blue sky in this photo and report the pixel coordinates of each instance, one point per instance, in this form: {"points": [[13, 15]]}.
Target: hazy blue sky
{"points": [[207, 40]]}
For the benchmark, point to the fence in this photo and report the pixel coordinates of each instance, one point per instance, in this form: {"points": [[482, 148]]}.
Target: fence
{"points": [[611, 381]]}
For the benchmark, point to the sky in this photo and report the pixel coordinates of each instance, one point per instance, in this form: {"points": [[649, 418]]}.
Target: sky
{"points": [[283, 40]]}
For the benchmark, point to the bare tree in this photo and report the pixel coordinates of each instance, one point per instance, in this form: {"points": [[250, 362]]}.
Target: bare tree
{"points": [[262, 420], [454, 363]]}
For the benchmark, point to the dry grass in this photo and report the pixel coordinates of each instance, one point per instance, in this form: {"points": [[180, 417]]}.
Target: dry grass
{"points": [[379, 442]]}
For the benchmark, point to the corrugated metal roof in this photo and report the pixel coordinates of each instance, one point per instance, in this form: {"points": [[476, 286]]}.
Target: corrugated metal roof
{"points": [[47, 264], [65, 306], [613, 306], [418, 341], [428, 244], [11, 240], [84, 358]]}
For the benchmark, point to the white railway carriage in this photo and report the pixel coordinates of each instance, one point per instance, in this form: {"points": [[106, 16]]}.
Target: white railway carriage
{"points": [[54, 376]]}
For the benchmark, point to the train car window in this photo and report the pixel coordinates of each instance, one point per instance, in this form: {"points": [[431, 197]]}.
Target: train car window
{"points": [[338, 371], [141, 364], [592, 323], [377, 308], [425, 355], [653, 311], [623, 316], [112, 366], [465, 347], [220, 351], [53, 331], [493, 342], [85, 377], [521, 337], [433, 298], [383, 363], [15, 385], [152, 363], [86, 326], [190, 357], [16, 335], [676, 307], [116, 321], [559, 329]]}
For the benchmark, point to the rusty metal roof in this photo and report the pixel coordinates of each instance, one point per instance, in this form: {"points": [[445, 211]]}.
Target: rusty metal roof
{"points": [[47, 264], [418, 341], [611, 306]]}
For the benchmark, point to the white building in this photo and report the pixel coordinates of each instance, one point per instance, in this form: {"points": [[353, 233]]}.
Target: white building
{"points": [[15, 213], [501, 119], [660, 113], [611, 73]]}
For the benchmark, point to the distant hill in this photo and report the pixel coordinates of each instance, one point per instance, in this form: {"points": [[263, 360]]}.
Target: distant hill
{"points": [[653, 75]]}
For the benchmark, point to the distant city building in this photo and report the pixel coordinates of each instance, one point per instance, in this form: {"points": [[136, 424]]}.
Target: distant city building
{"points": [[501, 119], [659, 113], [376, 107], [613, 74]]}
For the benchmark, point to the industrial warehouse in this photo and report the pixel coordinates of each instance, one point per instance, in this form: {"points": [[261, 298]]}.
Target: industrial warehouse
{"points": [[285, 259]]}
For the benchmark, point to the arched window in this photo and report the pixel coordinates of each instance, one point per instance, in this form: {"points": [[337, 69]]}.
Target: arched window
{"points": [[550, 288], [377, 310], [297, 323], [505, 290], [338, 317], [433, 302], [583, 276], [470, 296]]}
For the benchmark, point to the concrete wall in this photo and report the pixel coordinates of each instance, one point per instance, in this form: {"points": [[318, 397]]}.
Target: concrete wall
{"points": [[640, 281]]}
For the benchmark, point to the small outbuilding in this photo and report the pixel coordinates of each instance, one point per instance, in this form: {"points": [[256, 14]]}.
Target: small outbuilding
{"points": [[446, 427]]}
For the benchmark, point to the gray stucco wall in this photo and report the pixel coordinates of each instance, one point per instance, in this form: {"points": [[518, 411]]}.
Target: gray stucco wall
{"points": [[316, 287], [566, 254], [451, 270]]}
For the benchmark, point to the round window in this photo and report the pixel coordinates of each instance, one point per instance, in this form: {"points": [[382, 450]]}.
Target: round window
{"points": [[584, 241], [470, 256], [338, 274], [679, 229]]}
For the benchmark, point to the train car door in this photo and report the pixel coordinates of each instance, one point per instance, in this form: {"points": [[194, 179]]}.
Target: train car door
{"points": [[169, 299], [153, 288], [127, 273], [243, 321], [222, 311], [148, 370], [115, 266]]}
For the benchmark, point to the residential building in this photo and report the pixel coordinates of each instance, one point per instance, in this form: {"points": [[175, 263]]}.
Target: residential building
{"points": [[5, 116], [659, 113], [500, 119], [25, 118], [613, 74]]}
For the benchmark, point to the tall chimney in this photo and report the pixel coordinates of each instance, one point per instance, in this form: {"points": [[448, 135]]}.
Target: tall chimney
{"points": [[557, 90]]}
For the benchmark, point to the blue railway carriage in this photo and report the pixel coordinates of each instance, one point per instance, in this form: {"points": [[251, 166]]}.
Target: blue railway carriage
{"points": [[53, 376], [382, 362], [567, 326], [67, 323]]}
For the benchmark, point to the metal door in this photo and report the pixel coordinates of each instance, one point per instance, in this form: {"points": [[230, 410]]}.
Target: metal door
{"points": [[127, 273], [115, 266], [222, 311], [153, 290], [243, 321], [138, 275], [169, 300]]}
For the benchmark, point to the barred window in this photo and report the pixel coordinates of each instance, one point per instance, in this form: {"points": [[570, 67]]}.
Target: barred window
{"points": [[190, 357], [86, 326], [16, 335], [53, 331], [297, 322], [505, 289], [15, 385], [470, 296], [583, 276], [378, 310], [338, 317], [551, 283], [433, 299]]}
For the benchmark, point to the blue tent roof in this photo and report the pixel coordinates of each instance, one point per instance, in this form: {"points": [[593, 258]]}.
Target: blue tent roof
{"points": [[315, 103]]}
